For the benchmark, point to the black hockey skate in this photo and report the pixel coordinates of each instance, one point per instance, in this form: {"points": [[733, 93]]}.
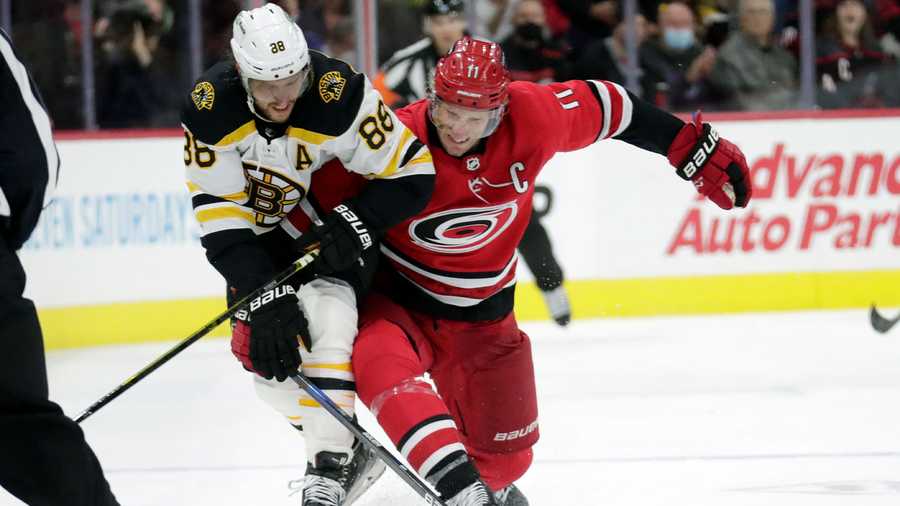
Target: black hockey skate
{"points": [[476, 494], [510, 496], [335, 482]]}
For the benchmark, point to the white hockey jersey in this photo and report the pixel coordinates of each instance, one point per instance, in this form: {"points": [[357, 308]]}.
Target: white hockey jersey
{"points": [[245, 174]]}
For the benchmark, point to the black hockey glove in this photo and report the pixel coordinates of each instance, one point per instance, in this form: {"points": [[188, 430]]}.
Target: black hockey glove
{"points": [[276, 329], [342, 236]]}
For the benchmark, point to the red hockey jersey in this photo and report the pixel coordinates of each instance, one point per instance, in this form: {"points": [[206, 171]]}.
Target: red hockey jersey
{"points": [[461, 249]]}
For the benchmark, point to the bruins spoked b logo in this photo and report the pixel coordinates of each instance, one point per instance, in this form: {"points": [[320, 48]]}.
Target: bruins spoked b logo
{"points": [[203, 96], [331, 85], [462, 230], [272, 196]]}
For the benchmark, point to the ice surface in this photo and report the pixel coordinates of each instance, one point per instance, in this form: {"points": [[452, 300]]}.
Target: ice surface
{"points": [[765, 409]]}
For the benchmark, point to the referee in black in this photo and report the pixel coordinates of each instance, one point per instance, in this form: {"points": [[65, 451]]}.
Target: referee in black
{"points": [[44, 459]]}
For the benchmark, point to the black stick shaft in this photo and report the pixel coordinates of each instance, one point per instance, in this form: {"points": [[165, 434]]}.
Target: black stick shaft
{"points": [[411, 478], [295, 267]]}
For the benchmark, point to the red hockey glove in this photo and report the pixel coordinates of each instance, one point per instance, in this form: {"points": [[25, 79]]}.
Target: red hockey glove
{"points": [[266, 335], [716, 166]]}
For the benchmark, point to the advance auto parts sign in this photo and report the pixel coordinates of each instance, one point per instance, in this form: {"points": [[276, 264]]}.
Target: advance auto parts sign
{"points": [[836, 199]]}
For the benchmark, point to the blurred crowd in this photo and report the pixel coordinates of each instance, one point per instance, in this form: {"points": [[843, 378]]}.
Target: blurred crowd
{"points": [[737, 55]]}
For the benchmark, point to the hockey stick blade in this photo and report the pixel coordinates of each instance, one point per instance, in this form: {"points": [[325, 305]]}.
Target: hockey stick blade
{"points": [[880, 323], [412, 479], [282, 276]]}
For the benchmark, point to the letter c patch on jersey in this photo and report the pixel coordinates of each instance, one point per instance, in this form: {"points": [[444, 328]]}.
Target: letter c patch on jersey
{"points": [[203, 96], [462, 230]]}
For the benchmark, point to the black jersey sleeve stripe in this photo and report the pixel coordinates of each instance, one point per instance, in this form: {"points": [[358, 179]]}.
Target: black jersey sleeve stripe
{"points": [[411, 152], [204, 199], [651, 128], [599, 100]]}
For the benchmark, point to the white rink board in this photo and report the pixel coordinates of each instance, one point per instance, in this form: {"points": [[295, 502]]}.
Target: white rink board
{"points": [[618, 210], [122, 223]]}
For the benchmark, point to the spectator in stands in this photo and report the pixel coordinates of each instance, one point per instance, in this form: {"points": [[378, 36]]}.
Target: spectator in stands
{"points": [[132, 88], [889, 20], [531, 53], [675, 63], [751, 70], [591, 20], [849, 61], [218, 16], [404, 78], [607, 58], [494, 18], [341, 41]]}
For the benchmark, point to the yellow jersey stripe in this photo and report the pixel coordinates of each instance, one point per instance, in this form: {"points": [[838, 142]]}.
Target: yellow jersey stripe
{"points": [[238, 135], [219, 213], [192, 187], [309, 403], [235, 196], [337, 367], [395, 159], [308, 135], [426, 158]]}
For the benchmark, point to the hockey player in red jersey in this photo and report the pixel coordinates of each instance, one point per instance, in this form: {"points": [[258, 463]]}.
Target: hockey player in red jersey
{"points": [[449, 273]]}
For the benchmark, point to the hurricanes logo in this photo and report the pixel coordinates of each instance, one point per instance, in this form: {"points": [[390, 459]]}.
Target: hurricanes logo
{"points": [[462, 230], [331, 85], [203, 95]]}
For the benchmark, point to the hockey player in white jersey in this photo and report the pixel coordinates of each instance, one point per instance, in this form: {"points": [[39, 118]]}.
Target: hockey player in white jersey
{"points": [[257, 127]]}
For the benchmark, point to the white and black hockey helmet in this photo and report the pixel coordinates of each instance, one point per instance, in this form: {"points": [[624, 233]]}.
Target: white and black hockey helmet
{"points": [[268, 45]]}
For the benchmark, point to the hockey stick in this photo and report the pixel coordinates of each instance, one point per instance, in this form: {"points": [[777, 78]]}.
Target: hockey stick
{"points": [[295, 267], [880, 323], [411, 478]]}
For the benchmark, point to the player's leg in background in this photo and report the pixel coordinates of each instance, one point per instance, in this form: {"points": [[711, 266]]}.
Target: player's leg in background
{"points": [[390, 358], [490, 387], [537, 251], [44, 459], [333, 456]]}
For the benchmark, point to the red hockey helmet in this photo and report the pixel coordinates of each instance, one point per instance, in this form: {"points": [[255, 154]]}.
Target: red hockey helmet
{"points": [[473, 74]]}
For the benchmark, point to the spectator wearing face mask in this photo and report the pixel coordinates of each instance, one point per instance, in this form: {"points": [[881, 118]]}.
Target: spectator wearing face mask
{"points": [[675, 63], [531, 53]]}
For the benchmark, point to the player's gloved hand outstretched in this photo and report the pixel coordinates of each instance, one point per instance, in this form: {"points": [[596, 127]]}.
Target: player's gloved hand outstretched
{"points": [[268, 333], [715, 165], [342, 236]]}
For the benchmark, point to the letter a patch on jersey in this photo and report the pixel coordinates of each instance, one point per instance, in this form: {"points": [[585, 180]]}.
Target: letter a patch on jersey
{"points": [[331, 85], [203, 96]]}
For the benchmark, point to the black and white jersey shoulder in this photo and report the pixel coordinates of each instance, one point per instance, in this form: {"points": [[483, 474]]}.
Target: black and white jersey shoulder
{"points": [[216, 107], [29, 163], [245, 174]]}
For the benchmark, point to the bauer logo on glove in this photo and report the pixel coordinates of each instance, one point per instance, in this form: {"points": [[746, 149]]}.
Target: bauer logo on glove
{"points": [[716, 167], [270, 295], [365, 239]]}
